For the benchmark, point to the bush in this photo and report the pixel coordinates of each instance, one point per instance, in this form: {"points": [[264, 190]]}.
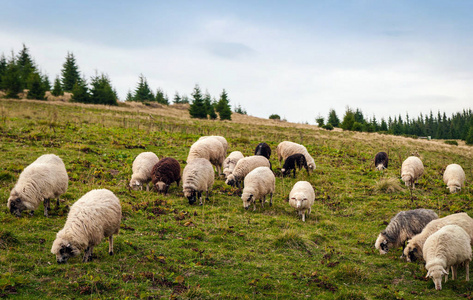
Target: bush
{"points": [[274, 117], [328, 126], [455, 143]]}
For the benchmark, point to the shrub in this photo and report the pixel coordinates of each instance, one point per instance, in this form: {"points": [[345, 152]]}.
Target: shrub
{"points": [[274, 117], [455, 143], [328, 126]]}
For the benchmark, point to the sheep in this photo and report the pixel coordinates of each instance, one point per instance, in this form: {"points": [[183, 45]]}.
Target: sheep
{"points": [[258, 183], [263, 149], [198, 176], [96, 215], [381, 161], [448, 247], [42, 180], [245, 166], [210, 148], [165, 172], [302, 198], [218, 137], [230, 162], [454, 177], [413, 249], [292, 161], [142, 167], [403, 226], [411, 170], [286, 148]]}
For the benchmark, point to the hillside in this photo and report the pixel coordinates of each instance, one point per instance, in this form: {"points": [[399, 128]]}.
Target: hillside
{"points": [[167, 248]]}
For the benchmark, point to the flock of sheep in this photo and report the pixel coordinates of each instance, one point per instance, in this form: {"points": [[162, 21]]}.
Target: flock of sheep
{"points": [[442, 243]]}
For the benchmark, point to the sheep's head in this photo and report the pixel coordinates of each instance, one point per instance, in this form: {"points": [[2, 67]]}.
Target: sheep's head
{"points": [[16, 205], [436, 273], [454, 188], [161, 187], [297, 200], [380, 167], [191, 195], [64, 250], [412, 252], [407, 178], [136, 185], [247, 200], [311, 166], [284, 172], [382, 244], [231, 180]]}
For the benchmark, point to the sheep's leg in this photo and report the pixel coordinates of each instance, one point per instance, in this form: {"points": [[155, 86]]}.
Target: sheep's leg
{"points": [[263, 201], [254, 205], [303, 217], [294, 173], [46, 207], [57, 203], [110, 245], [271, 199], [467, 270], [454, 272], [88, 254]]}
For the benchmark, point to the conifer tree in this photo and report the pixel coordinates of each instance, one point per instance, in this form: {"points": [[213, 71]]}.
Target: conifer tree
{"points": [[333, 118], [469, 136], [3, 69], [70, 73], [223, 107], [45, 82], [36, 87], [129, 96], [26, 67], [143, 93], [185, 99], [101, 91], [177, 98], [57, 88], [209, 108], [161, 97], [80, 92], [11, 80], [348, 120], [197, 108]]}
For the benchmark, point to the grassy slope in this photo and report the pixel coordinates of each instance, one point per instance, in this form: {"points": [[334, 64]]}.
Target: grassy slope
{"points": [[168, 248]]}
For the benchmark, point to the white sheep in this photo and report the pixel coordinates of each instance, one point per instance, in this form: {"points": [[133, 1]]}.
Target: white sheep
{"points": [[302, 198], [403, 226], [218, 137], [44, 179], [411, 170], [448, 247], [198, 176], [245, 166], [258, 183], [210, 148], [454, 177], [94, 216], [230, 162], [142, 167], [413, 249], [286, 149]]}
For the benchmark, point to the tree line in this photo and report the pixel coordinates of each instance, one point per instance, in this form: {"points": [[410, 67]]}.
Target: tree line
{"points": [[19, 74], [458, 126]]}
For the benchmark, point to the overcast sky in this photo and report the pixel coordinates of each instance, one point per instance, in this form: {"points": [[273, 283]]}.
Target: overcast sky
{"points": [[294, 58]]}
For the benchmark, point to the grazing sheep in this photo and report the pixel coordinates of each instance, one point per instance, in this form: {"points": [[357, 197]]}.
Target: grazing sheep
{"points": [[142, 167], [218, 137], [230, 162], [403, 226], [414, 246], [285, 149], [302, 198], [454, 177], [210, 148], [258, 183], [263, 149], [411, 170], [448, 247], [94, 216], [381, 161], [292, 161], [198, 176], [44, 179], [165, 172], [245, 166]]}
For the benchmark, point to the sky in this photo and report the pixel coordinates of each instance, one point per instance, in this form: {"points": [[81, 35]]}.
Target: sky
{"points": [[297, 58]]}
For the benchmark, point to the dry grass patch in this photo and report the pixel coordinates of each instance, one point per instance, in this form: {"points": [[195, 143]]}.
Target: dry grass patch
{"points": [[387, 186]]}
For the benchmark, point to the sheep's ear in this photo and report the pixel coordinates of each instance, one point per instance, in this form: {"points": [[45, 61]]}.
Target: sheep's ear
{"points": [[428, 274], [444, 272], [414, 250]]}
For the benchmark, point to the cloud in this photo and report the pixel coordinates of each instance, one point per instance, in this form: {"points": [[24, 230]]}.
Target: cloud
{"points": [[229, 50]]}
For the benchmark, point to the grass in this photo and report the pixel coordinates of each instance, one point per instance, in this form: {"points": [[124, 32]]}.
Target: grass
{"points": [[168, 249]]}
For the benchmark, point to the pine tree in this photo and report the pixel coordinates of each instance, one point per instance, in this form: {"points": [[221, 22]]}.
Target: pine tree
{"points": [[469, 136], [223, 107], [348, 119], [333, 118], [57, 89], [80, 92], [45, 82], [11, 80], [177, 98], [26, 67], [185, 99], [161, 97], [3, 69], [70, 73], [143, 93], [383, 126], [129, 96], [197, 108], [102, 91], [36, 87], [209, 108]]}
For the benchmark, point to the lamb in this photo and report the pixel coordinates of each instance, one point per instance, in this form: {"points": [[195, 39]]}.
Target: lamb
{"points": [[42, 180], [454, 177], [302, 198], [381, 161], [285, 149], [245, 166], [210, 148], [230, 162], [411, 170], [448, 247], [198, 176], [258, 183], [142, 167], [292, 161], [414, 246], [165, 172], [94, 216], [403, 226], [263, 149], [218, 137]]}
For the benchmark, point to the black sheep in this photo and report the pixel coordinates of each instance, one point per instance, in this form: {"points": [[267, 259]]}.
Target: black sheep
{"points": [[263, 149], [292, 161], [381, 160], [165, 172]]}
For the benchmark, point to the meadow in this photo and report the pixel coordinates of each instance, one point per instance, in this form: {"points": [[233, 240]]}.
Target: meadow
{"points": [[169, 249]]}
